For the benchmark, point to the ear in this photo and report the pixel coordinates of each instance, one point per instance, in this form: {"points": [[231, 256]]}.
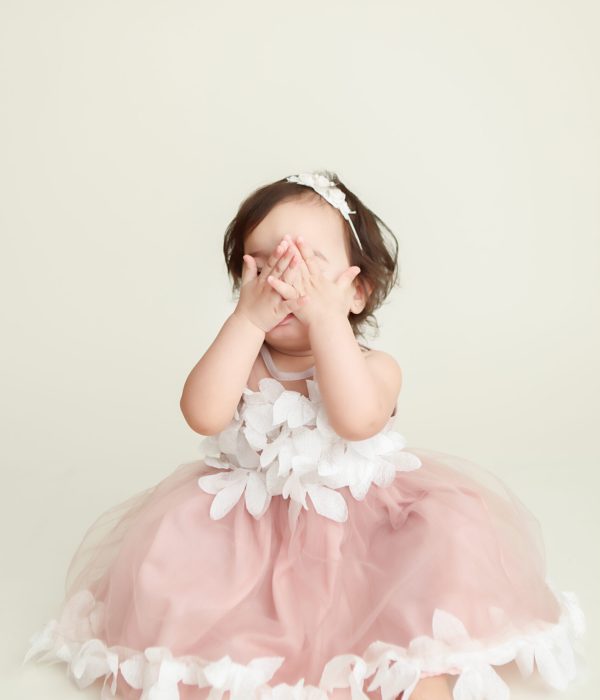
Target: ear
{"points": [[362, 291]]}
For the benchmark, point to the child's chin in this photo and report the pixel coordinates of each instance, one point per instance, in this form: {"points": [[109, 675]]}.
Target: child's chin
{"points": [[286, 321]]}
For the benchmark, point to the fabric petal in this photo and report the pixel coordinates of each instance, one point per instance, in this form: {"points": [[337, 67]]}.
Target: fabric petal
{"points": [[448, 628], [328, 502], [226, 499], [257, 498]]}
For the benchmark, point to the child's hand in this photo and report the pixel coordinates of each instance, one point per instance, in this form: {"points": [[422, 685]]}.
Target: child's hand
{"points": [[324, 296], [259, 301]]}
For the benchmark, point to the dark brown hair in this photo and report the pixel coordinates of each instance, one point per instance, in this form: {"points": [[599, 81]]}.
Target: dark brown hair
{"points": [[378, 263]]}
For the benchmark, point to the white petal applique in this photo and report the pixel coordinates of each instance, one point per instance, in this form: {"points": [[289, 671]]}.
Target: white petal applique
{"points": [[226, 499], [294, 489], [345, 671], [359, 473], [406, 461], [286, 455], [213, 483], [41, 641], [448, 628], [256, 495], [92, 661], [314, 393], [283, 691], [209, 446], [259, 417], [401, 676], [323, 425], [218, 462], [303, 466], [227, 439], [159, 675], [397, 439], [292, 408], [308, 443], [257, 440], [241, 681], [328, 502], [275, 482], [384, 472], [426, 648], [271, 450], [480, 682], [293, 512], [247, 457], [132, 670], [277, 426], [371, 446], [575, 614], [271, 389], [332, 455], [555, 669]]}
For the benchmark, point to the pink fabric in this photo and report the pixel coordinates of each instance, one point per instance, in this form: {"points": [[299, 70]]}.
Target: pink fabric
{"points": [[448, 535]]}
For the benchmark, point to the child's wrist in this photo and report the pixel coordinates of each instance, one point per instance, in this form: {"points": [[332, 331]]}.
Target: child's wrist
{"points": [[326, 318], [243, 320]]}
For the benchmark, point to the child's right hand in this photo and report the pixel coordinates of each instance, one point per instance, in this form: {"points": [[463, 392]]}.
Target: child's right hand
{"points": [[258, 301]]}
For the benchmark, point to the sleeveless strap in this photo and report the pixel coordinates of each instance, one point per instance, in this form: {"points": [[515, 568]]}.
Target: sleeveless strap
{"points": [[279, 373]]}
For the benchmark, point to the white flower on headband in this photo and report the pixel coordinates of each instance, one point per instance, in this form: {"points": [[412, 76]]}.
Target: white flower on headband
{"points": [[328, 190]]}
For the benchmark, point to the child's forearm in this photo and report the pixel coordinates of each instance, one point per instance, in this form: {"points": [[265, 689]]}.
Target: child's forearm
{"points": [[347, 388], [214, 386]]}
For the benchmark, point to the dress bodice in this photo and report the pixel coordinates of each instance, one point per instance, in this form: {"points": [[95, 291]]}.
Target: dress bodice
{"points": [[280, 443]]}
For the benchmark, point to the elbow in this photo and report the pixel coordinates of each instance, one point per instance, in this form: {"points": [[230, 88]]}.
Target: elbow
{"points": [[361, 428], [196, 422], [202, 424], [354, 432]]}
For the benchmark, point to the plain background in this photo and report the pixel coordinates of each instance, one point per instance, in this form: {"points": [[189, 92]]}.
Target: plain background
{"points": [[131, 131]]}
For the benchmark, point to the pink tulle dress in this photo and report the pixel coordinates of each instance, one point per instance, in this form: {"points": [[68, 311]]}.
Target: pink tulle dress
{"points": [[291, 564]]}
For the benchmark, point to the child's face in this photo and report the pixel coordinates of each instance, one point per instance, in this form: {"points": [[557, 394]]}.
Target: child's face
{"points": [[321, 226]]}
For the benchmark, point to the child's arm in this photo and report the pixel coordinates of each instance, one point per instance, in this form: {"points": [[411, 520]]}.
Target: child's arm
{"points": [[214, 386], [359, 393]]}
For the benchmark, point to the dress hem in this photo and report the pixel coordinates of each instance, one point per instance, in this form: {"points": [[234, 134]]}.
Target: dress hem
{"points": [[548, 647]]}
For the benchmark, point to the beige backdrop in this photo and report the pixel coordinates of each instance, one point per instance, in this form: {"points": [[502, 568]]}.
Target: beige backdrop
{"points": [[130, 133]]}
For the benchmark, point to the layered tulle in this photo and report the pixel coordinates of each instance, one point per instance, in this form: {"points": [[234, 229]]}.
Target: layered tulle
{"points": [[443, 571]]}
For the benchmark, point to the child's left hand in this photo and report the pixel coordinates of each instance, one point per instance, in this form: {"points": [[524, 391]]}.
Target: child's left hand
{"points": [[324, 296]]}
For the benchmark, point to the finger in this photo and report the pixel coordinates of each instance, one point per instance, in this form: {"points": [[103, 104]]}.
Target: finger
{"points": [[297, 263], [273, 258], [286, 290], [292, 274], [292, 305], [248, 268], [310, 259], [298, 273], [282, 265]]}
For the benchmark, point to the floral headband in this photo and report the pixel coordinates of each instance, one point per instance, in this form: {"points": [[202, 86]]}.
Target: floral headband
{"points": [[328, 190]]}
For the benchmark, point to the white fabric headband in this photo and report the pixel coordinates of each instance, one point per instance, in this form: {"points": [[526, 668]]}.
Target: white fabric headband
{"points": [[328, 190]]}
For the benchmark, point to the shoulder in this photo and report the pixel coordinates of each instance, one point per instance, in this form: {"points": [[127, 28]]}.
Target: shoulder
{"points": [[384, 365], [387, 373]]}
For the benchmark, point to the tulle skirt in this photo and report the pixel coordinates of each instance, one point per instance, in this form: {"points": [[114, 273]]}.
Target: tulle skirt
{"points": [[443, 571]]}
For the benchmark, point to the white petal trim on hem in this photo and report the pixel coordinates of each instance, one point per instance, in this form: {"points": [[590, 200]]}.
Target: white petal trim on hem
{"points": [[550, 648]]}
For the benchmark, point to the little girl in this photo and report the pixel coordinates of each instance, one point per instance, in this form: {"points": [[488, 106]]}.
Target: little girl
{"points": [[309, 555]]}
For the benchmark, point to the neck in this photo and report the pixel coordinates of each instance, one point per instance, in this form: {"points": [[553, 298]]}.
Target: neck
{"points": [[291, 360], [283, 368]]}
